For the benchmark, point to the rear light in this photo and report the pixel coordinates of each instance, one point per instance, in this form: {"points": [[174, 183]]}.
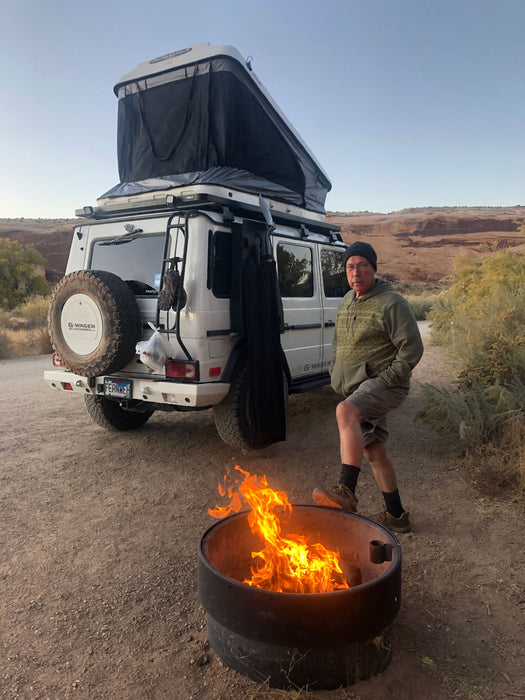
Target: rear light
{"points": [[67, 386], [181, 370], [57, 362]]}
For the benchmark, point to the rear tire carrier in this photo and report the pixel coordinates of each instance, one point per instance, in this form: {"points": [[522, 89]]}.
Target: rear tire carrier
{"points": [[94, 322]]}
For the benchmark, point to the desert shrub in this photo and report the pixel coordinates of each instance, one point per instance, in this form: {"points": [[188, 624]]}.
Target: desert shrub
{"points": [[420, 295], [421, 305], [21, 273], [26, 342], [481, 318], [488, 425], [39, 341], [499, 467], [25, 329], [477, 415], [5, 345], [441, 316], [34, 310]]}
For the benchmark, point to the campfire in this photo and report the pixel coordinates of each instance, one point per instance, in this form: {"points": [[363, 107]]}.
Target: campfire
{"points": [[297, 596], [285, 564]]}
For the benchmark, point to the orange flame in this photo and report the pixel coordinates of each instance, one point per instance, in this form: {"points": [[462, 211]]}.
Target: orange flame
{"points": [[285, 564]]}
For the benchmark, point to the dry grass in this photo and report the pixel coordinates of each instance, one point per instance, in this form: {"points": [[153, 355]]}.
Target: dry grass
{"points": [[421, 304], [22, 343], [499, 468], [24, 330]]}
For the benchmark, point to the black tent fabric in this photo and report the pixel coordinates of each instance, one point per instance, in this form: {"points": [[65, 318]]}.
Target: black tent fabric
{"points": [[209, 123], [262, 328]]}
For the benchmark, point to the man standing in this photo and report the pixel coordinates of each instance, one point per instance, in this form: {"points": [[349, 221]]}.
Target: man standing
{"points": [[376, 345]]}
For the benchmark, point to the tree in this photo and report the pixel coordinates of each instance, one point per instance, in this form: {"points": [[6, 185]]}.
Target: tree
{"points": [[21, 273]]}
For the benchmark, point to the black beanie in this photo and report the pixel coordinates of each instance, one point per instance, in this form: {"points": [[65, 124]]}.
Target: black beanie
{"points": [[365, 250]]}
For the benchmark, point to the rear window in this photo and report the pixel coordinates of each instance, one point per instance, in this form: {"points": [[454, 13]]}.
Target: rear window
{"points": [[135, 260]]}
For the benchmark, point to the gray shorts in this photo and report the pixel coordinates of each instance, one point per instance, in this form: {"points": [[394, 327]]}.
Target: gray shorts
{"points": [[374, 402]]}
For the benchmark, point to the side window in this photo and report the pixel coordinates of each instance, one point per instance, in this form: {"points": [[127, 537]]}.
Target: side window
{"points": [[294, 263], [335, 283], [221, 273]]}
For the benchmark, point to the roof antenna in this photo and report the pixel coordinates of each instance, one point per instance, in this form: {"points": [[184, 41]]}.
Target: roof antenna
{"points": [[249, 62]]}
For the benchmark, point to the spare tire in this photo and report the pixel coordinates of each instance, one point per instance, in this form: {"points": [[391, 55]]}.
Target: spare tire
{"points": [[94, 322]]}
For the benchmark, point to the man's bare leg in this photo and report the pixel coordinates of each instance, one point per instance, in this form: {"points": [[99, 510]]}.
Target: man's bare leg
{"points": [[342, 494], [382, 466], [395, 516], [350, 435]]}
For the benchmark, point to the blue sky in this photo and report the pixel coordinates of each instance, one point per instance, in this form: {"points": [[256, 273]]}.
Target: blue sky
{"points": [[405, 103]]}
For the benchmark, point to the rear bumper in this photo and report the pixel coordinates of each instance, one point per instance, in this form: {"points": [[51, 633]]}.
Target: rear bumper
{"points": [[143, 389]]}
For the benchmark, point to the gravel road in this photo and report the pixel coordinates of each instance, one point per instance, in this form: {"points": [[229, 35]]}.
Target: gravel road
{"points": [[100, 531]]}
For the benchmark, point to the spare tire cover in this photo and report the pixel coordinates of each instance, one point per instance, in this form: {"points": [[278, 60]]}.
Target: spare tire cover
{"points": [[94, 322]]}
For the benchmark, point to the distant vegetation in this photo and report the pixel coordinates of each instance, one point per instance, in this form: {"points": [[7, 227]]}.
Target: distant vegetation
{"points": [[481, 319], [22, 273], [422, 304], [24, 329], [422, 296], [23, 301]]}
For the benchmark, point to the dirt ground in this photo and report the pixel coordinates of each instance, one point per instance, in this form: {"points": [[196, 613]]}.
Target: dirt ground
{"points": [[99, 534]]}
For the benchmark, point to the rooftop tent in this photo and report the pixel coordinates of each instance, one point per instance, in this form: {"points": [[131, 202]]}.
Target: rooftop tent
{"points": [[201, 116]]}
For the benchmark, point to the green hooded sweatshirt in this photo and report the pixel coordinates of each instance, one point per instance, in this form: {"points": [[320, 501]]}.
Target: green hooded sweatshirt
{"points": [[375, 336]]}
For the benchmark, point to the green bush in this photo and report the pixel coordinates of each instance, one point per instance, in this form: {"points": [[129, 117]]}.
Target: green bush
{"points": [[481, 319], [21, 273], [476, 415], [421, 305], [34, 310]]}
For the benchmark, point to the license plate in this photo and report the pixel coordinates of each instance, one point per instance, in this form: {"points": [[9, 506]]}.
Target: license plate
{"points": [[120, 388]]}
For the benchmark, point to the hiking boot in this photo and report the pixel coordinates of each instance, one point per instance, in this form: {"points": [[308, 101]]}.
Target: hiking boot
{"points": [[400, 525], [338, 496]]}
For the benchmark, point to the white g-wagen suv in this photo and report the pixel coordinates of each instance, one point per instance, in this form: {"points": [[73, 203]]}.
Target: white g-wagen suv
{"points": [[216, 239]]}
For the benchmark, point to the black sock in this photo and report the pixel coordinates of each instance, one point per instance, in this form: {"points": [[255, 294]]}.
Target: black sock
{"points": [[393, 503], [349, 476]]}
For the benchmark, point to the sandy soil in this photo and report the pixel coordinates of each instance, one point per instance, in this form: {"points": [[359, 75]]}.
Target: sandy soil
{"points": [[100, 532]]}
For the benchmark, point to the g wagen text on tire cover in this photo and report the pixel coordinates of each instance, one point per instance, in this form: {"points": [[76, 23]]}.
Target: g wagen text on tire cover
{"points": [[216, 238]]}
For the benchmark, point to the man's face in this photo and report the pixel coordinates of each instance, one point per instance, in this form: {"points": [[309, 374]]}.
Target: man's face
{"points": [[360, 275]]}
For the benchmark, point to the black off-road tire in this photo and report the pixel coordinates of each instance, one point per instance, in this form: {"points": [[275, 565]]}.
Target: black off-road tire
{"points": [[108, 414], [94, 322], [232, 416]]}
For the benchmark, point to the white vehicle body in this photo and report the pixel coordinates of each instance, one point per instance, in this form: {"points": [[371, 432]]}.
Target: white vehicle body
{"points": [[201, 234]]}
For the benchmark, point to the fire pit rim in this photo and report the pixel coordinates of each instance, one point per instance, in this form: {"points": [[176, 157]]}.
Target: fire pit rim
{"points": [[397, 556]]}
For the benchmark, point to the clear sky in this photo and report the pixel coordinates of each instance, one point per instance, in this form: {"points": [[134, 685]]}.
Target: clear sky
{"points": [[405, 103]]}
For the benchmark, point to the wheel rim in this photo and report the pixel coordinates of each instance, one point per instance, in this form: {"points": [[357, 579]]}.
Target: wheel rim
{"points": [[81, 324]]}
